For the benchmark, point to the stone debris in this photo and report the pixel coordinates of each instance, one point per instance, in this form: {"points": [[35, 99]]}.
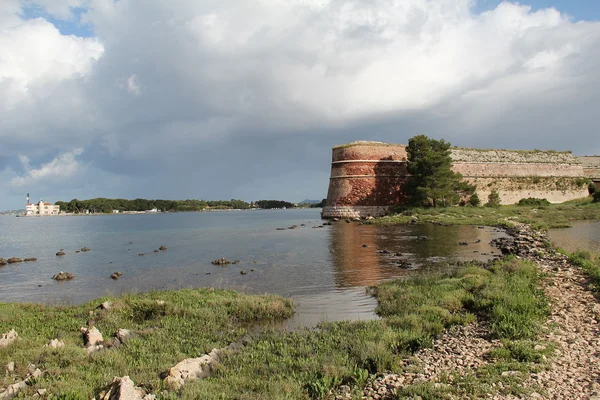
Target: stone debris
{"points": [[8, 338], [191, 369], [91, 336], [12, 390], [124, 389], [572, 373], [55, 344]]}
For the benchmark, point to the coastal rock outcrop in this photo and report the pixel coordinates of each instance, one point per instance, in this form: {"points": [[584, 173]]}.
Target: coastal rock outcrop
{"points": [[8, 338]]}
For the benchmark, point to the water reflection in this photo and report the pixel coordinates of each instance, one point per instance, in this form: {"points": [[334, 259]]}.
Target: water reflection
{"points": [[583, 235], [363, 255]]}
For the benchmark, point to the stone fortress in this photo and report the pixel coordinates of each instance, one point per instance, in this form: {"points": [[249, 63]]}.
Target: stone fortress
{"points": [[367, 177]]}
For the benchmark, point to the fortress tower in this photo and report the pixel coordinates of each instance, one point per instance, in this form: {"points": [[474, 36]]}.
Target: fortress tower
{"points": [[367, 177]]}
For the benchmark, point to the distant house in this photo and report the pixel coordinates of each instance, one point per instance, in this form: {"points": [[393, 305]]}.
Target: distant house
{"points": [[42, 208], [115, 211]]}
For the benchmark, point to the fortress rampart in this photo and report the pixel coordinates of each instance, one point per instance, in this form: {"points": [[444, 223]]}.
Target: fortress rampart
{"points": [[591, 168], [367, 177]]}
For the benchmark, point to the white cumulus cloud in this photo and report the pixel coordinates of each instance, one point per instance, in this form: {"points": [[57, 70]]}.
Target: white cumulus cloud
{"points": [[58, 170]]}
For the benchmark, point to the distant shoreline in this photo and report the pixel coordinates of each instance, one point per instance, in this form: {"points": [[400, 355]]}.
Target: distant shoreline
{"points": [[155, 213]]}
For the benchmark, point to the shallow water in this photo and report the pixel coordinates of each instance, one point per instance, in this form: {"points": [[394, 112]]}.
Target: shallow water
{"points": [[325, 270], [583, 235]]}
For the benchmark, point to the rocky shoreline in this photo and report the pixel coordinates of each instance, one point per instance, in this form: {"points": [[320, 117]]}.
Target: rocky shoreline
{"points": [[572, 372]]}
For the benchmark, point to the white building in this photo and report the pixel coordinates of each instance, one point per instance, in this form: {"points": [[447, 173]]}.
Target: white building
{"points": [[42, 209]]}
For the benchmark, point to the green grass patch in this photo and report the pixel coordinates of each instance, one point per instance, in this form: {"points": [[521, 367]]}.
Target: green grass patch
{"points": [[308, 364], [544, 217], [188, 324], [590, 264]]}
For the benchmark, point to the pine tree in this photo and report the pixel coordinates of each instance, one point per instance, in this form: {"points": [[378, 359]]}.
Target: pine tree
{"points": [[493, 199], [432, 181]]}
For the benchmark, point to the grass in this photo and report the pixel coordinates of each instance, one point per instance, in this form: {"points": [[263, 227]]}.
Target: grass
{"points": [[590, 265], [308, 364], [188, 324], [552, 216], [304, 364]]}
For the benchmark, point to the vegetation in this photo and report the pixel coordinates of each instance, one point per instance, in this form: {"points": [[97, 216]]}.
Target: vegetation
{"points": [[596, 197], [432, 181], [278, 364], [188, 324], [590, 264], [493, 199], [270, 204], [534, 202], [553, 216], [474, 201], [104, 205]]}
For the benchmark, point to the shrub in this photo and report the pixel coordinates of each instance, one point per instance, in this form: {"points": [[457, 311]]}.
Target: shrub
{"points": [[493, 199], [597, 197], [532, 201], [475, 201]]}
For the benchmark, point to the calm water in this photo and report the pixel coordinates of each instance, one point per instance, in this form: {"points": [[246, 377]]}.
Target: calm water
{"points": [[325, 270], [584, 235]]}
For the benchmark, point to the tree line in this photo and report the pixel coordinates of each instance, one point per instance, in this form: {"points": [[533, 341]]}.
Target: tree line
{"points": [[106, 205]]}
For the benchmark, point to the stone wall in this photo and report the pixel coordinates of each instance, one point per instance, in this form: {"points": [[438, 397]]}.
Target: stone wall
{"points": [[367, 177], [591, 167]]}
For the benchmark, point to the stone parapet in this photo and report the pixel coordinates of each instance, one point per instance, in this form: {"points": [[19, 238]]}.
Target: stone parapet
{"points": [[351, 212]]}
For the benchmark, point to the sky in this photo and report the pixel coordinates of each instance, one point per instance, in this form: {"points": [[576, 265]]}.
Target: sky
{"points": [[225, 99]]}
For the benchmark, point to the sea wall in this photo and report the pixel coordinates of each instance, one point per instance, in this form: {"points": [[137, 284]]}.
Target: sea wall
{"points": [[367, 177]]}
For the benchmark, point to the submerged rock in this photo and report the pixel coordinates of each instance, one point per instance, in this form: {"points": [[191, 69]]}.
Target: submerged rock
{"points": [[60, 253], [116, 275], [30, 259], [14, 260], [163, 247], [63, 276], [221, 261], [85, 249], [3, 261]]}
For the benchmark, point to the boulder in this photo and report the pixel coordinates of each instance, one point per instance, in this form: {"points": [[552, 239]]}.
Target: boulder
{"points": [[293, 227], [31, 259], [93, 349], [63, 276], [163, 247], [8, 338], [10, 367], [3, 261], [107, 305], [124, 389], [235, 262], [243, 272], [14, 260], [91, 336], [191, 369], [116, 275], [55, 344], [280, 229], [221, 261], [141, 254], [124, 335], [60, 253], [85, 249]]}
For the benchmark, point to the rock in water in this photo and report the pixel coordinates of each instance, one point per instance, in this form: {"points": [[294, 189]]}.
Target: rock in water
{"points": [[163, 247], [85, 249], [14, 260], [63, 276], [3, 261], [60, 253], [116, 275]]}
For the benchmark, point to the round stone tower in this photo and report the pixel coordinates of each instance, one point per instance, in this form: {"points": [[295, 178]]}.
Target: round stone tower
{"points": [[366, 178]]}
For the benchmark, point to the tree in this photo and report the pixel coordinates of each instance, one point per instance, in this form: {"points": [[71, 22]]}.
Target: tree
{"points": [[493, 199], [474, 200], [432, 181]]}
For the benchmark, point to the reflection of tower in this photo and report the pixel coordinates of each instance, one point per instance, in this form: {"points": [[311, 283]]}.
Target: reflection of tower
{"points": [[355, 265]]}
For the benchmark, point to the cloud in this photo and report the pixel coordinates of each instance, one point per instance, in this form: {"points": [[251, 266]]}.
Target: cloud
{"points": [[59, 170], [233, 97]]}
